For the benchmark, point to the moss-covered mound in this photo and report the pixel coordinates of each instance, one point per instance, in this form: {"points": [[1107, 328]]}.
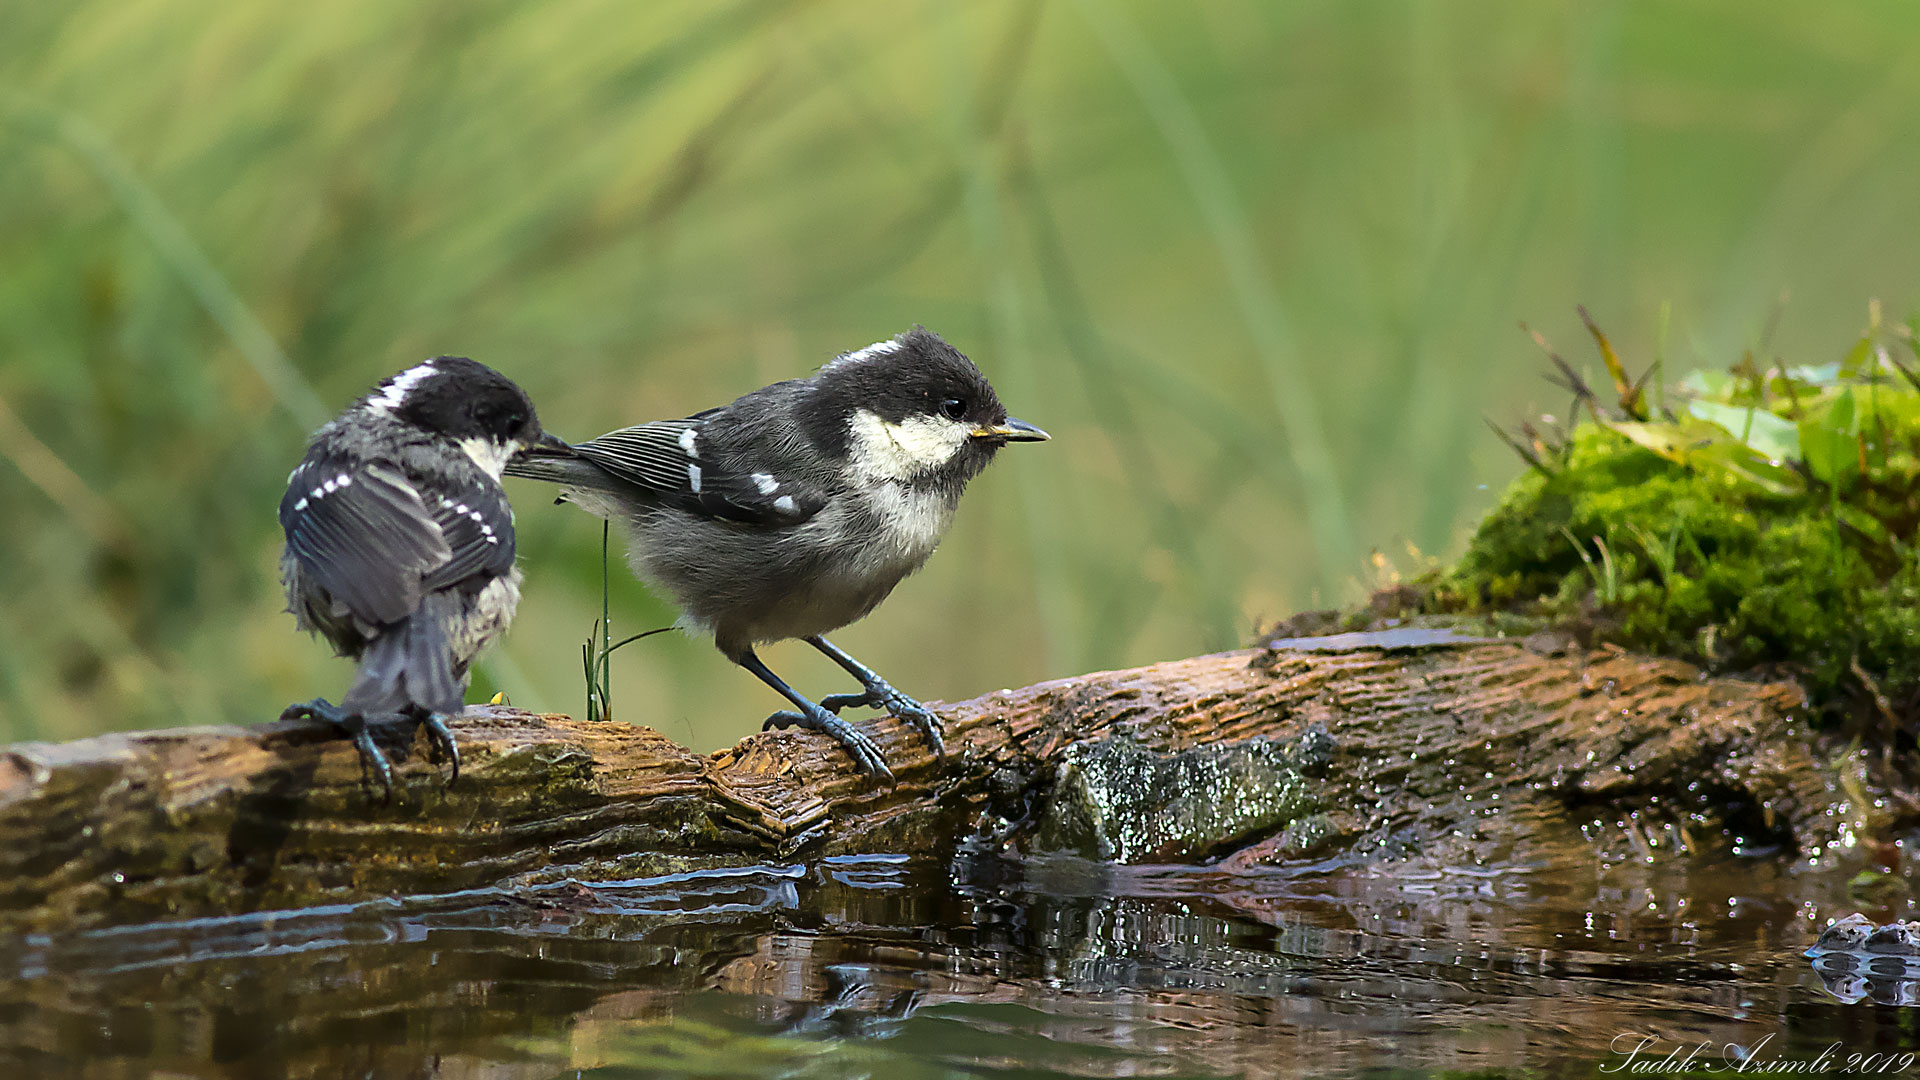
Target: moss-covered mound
{"points": [[1753, 520]]}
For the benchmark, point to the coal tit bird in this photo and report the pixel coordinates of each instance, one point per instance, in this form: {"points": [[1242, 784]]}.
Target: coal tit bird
{"points": [[795, 510], [400, 543]]}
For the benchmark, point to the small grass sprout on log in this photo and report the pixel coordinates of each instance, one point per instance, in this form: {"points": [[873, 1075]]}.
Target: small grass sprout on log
{"points": [[596, 654]]}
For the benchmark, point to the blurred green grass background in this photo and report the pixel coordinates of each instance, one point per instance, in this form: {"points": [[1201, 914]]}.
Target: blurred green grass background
{"points": [[1256, 266]]}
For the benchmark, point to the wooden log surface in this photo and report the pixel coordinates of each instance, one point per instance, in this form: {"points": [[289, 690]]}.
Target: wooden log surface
{"points": [[1463, 750]]}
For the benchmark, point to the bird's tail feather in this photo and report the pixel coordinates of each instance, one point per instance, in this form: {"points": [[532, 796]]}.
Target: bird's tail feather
{"points": [[411, 664]]}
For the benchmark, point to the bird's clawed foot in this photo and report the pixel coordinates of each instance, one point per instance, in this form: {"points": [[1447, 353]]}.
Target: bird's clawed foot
{"points": [[436, 725], [358, 728], [882, 696], [355, 725], [856, 743]]}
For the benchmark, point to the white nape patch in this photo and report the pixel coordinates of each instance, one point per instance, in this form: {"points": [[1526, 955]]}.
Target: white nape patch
{"points": [[489, 455], [394, 394], [878, 348], [687, 444], [693, 479], [766, 483], [786, 505], [916, 445]]}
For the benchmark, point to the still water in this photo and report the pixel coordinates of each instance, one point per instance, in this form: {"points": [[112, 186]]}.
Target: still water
{"points": [[901, 968]]}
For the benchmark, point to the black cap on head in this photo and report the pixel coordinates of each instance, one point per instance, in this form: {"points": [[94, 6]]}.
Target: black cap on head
{"points": [[913, 407], [461, 399], [917, 373]]}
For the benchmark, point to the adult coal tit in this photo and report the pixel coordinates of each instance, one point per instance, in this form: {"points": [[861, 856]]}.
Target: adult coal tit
{"points": [[796, 509]]}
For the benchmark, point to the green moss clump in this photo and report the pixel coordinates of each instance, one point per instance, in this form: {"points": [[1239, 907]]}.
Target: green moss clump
{"points": [[1703, 563]]}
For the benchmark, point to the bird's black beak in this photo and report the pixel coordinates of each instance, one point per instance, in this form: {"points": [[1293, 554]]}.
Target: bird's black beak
{"points": [[548, 445], [1011, 430]]}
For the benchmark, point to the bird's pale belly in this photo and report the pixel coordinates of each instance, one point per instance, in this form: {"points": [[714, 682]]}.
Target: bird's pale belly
{"points": [[831, 571], [486, 618], [823, 607]]}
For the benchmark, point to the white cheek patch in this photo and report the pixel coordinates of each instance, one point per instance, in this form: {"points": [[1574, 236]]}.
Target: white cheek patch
{"points": [[489, 455], [916, 445], [394, 394]]}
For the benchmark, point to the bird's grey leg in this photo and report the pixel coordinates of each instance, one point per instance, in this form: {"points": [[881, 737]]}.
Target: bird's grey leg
{"points": [[815, 718], [355, 725], [880, 694]]}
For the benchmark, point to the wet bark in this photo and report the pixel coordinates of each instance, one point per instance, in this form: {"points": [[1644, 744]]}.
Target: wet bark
{"points": [[1465, 751]]}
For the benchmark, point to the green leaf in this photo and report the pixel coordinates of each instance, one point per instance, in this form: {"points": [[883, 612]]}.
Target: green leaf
{"points": [[1707, 447], [1670, 440], [1773, 437], [1734, 459], [1713, 385], [1827, 440], [1857, 358], [1865, 524], [1816, 374]]}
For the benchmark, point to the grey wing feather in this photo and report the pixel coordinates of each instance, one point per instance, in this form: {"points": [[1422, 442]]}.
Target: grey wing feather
{"points": [[477, 525], [653, 456], [364, 536], [677, 462]]}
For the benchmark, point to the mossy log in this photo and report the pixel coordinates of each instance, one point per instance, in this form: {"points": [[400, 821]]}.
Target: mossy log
{"points": [[1456, 750]]}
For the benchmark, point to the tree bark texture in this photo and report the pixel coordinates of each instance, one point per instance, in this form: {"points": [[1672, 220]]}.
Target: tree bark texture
{"points": [[1462, 751]]}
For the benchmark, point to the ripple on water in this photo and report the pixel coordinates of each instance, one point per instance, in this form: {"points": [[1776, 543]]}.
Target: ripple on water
{"points": [[888, 964]]}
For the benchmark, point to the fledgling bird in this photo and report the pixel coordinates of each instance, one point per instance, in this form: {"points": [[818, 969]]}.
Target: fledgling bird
{"points": [[796, 509], [400, 543]]}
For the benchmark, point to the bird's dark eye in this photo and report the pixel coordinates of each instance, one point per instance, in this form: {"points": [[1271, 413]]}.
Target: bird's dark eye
{"points": [[953, 408], [499, 419]]}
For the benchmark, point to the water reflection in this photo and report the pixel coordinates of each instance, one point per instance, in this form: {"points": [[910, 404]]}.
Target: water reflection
{"points": [[912, 967]]}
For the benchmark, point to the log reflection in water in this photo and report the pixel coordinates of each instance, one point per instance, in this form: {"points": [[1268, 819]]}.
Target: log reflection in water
{"points": [[1051, 964]]}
